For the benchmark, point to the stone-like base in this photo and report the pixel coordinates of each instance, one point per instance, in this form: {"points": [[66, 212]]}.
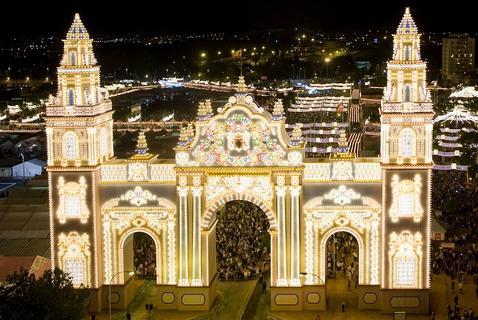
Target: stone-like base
{"points": [[168, 297], [95, 304], [286, 299], [121, 295], [369, 297], [197, 298], [314, 298], [409, 301]]}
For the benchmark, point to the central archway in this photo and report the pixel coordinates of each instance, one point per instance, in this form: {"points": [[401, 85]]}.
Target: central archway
{"points": [[242, 241], [209, 229]]}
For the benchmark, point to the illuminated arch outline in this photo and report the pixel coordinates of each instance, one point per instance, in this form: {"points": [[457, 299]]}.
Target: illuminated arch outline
{"points": [[157, 242], [221, 200], [140, 219], [338, 218]]}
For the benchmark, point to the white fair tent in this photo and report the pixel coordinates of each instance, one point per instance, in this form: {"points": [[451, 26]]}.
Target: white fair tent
{"points": [[465, 92], [459, 114]]}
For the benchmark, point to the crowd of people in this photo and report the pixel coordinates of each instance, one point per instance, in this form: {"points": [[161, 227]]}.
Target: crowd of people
{"points": [[144, 256], [455, 205], [243, 241]]}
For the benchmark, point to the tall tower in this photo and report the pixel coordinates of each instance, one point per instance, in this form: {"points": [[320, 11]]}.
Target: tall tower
{"points": [[406, 153], [79, 133]]}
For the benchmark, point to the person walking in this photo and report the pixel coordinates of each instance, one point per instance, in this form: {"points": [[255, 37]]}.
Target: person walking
{"points": [[264, 285], [343, 305]]}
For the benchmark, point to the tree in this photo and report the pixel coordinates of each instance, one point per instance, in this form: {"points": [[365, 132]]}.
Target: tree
{"points": [[51, 296]]}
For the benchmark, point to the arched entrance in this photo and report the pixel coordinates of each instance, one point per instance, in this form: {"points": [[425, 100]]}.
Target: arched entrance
{"points": [[242, 241], [140, 253], [213, 237], [343, 257], [140, 256]]}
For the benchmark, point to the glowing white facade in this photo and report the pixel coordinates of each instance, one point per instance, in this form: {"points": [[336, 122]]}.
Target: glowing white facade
{"points": [[242, 152], [406, 153]]}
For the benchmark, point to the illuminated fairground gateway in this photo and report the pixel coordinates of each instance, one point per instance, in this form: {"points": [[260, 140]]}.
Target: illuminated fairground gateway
{"points": [[241, 152]]}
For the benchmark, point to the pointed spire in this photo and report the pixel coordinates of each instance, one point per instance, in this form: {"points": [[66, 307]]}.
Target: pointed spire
{"points": [[77, 30], [278, 111], [297, 138], [241, 84], [407, 25], [142, 144]]}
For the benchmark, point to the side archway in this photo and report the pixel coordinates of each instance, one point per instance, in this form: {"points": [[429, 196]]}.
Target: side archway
{"points": [[157, 241], [123, 217], [360, 218]]}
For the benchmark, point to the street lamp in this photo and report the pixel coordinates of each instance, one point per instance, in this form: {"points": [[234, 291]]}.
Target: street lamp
{"points": [[323, 283], [130, 273]]}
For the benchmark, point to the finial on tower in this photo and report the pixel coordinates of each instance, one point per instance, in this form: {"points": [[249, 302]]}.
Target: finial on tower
{"points": [[183, 136], [190, 131], [343, 149], [142, 144], [77, 30], [343, 143], [407, 25], [278, 111], [142, 149], [204, 110], [241, 84], [297, 138]]}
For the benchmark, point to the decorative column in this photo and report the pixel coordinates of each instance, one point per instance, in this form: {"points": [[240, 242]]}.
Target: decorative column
{"points": [[281, 233], [274, 261], [294, 231], [171, 250], [91, 145], [196, 232], [50, 151], [183, 191]]}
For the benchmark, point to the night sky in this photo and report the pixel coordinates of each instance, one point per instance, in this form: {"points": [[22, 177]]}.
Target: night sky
{"points": [[34, 18]]}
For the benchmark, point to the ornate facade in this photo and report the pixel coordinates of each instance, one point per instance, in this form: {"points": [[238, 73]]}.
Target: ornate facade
{"points": [[242, 152]]}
